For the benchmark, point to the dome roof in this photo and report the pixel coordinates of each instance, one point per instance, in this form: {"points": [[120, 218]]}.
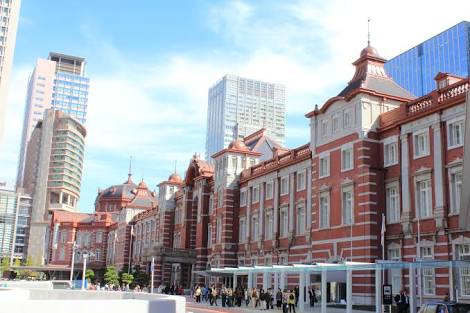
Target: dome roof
{"points": [[370, 51], [238, 145], [175, 178]]}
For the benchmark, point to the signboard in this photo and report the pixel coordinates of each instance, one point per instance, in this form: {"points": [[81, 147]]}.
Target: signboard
{"points": [[387, 298]]}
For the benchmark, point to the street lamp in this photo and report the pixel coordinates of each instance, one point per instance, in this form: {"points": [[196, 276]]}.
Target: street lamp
{"points": [[85, 256]]}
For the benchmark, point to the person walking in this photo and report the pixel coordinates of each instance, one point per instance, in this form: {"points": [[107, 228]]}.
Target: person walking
{"points": [[312, 296], [197, 294], [292, 300], [285, 301], [224, 295], [279, 299]]}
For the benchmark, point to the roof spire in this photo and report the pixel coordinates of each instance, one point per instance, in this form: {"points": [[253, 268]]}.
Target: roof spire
{"points": [[130, 168], [175, 166], [368, 31]]}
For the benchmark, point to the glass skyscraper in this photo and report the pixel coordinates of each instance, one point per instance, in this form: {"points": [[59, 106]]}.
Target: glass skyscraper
{"points": [[238, 107], [448, 51], [56, 83]]}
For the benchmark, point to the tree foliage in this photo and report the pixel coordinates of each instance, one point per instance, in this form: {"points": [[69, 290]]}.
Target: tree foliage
{"points": [[111, 275], [90, 275], [127, 278], [141, 278], [5, 265]]}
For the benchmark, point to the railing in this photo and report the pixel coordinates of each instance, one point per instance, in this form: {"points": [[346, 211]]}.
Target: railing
{"points": [[284, 158], [437, 97]]}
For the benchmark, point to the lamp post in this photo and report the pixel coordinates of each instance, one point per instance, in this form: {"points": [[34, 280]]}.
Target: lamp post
{"points": [[85, 257]]}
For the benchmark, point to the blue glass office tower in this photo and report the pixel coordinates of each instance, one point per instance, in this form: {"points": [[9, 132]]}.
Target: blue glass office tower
{"points": [[448, 51]]}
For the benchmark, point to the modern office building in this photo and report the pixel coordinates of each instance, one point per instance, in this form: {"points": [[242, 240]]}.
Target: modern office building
{"points": [[57, 83], [53, 172], [239, 106], [15, 208], [448, 52], [9, 15]]}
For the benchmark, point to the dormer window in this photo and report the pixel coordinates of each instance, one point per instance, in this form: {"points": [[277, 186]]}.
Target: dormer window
{"points": [[335, 123], [324, 128], [443, 83]]}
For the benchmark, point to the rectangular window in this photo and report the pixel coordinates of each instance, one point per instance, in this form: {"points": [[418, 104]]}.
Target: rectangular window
{"points": [[392, 203], [324, 128], [463, 253], [301, 178], [324, 210], [395, 274], [423, 198], [99, 237], [284, 223], [455, 189], [219, 229], [421, 144], [347, 118], [455, 134], [300, 220], [390, 153], [324, 166], [347, 206], [209, 236], [284, 185], [269, 226], [429, 284], [254, 228], [347, 162], [269, 190], [211, 204], [335, 123], [243, 198], [242, 235], [255, 195], [220, 198]]}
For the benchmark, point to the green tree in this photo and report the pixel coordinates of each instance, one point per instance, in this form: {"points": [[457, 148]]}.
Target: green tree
{"points": [[5, 265], [111, 275], [90, 275], [127, 278], [141, 278]]}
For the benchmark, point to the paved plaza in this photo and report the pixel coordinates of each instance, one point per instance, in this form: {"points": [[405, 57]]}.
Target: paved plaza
{"points": [[192, 307]]}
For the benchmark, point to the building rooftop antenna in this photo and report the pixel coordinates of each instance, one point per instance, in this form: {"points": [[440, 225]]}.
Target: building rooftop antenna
{"points": [[130, 167], [368, 31]]}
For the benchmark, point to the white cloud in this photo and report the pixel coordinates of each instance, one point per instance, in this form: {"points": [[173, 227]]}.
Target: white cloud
{"points": [[156, 111]]}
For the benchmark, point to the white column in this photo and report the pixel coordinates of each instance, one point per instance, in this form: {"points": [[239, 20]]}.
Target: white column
{"points": [[283, 280], [265, 281], [309, 198], [307, 283], [276, 205], [451, 282], [323, 292], [438, 176], [276, 282], [234, 281], [349, 291], [378, 290], [412, 291], [248, 217], [301, 291], [61, 197], [250, 280]]}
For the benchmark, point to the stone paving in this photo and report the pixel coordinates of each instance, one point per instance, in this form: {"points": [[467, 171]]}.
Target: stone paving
{"points": [[192, 307]]}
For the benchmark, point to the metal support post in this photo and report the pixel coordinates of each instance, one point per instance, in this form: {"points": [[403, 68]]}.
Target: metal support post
{"points": [[349, 291]]}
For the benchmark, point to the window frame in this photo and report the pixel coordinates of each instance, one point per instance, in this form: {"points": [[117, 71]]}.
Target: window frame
{"points": [[324, 195], [271, 194], [243, 196], [283, 222], [325, 157], [418, 154], [345, 149], [347, 189], [286, 179], [449, 124], [301, 176], [255, 194], [390, 186], [387, 161], [454, 205], [419, 180]]}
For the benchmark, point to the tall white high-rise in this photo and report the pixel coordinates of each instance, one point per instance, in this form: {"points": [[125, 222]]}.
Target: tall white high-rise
{"points": [[239, 106], [56, 83], [9, 15]]}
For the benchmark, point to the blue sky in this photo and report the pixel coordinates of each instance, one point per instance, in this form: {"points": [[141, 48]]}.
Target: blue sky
{"points": [[152, 62]]}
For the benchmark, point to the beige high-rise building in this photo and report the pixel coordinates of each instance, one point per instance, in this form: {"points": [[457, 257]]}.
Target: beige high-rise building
{"points": [[53, 174], [57, 82], [9, 15]]}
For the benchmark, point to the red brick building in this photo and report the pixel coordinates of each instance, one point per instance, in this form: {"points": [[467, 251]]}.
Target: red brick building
{"points": [[374, 151]]}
